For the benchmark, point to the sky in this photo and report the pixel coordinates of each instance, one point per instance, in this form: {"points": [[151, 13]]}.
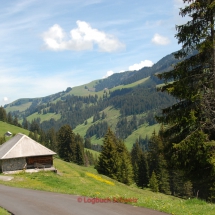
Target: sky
{"points": [[47, 46]]}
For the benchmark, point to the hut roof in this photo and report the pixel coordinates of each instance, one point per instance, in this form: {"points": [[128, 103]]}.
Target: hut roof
{"points": [[22, 146]]}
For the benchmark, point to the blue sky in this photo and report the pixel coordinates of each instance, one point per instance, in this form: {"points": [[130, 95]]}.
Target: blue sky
{"points": [[47, 46]]}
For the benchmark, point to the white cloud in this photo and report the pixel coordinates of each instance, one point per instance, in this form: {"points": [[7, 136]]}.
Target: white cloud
{"points": [[82, 38], [109, 73], [5, 99], [137, 66], [160, 40]]}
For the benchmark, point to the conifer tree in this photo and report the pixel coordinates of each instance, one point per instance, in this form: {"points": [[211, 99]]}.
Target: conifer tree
{"points": [[114, 160], [10, 119], [107, 160], [66, 143], [42, 137], [157, 162], [163, 175], [51, 139], [35, 136], [87, 143], [124, 165], [15, 121], [79, 153], [31, 135], [79, 150], [155, 149], [153, 183], [140, 166], [194, 78], [143, 171], [192, 83], [135, 158], [3, 114]]}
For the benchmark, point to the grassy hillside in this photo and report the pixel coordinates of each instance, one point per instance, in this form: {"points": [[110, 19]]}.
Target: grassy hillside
{"points": [[112, 116], [95, 153], [85, 90], [44, 117], [141, 131], [21, 107], [4, 127], [84, 181]]}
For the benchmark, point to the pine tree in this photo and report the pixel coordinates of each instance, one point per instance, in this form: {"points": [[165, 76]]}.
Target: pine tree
{"points": [[24, 123], [196, 74], [15, 121], [135, 158], [79, 154], [143, 171], [194, 78], [140, 166], [153, 183], [10, 118], [31, 135], [35, 136], [157, 162], [42, 137], [163, 175], [66, 143], [51, 140], [114, 160], [107, 160], [124, 165], [155, 149], [87, 143], [3, 114]]}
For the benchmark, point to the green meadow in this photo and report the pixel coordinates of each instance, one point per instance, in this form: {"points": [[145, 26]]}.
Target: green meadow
{"points": [[4, 127], [44, 117], [84, 181]]}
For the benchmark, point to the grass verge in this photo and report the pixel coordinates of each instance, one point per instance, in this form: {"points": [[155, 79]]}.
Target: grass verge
{"points": [[3, 212], [84, 181]]}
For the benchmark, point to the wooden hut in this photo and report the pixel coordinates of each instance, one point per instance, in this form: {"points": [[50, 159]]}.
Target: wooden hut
{"points": [[21, 152]]}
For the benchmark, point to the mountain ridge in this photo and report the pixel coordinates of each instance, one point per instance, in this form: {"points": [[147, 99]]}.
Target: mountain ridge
{"points": [[124, 101]]}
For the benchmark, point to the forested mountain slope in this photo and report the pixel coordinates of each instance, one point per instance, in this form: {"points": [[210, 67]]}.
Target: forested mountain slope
{"points": [[126, 102]]}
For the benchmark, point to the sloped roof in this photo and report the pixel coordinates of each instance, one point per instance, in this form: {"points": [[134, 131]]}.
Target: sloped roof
{"points": [[22, 146]]}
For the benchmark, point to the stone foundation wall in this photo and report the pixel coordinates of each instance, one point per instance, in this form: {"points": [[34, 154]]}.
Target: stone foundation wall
{"points": [[13, 164]]}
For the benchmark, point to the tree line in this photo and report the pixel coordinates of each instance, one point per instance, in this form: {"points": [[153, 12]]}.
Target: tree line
{"points": [[145, 168]]}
